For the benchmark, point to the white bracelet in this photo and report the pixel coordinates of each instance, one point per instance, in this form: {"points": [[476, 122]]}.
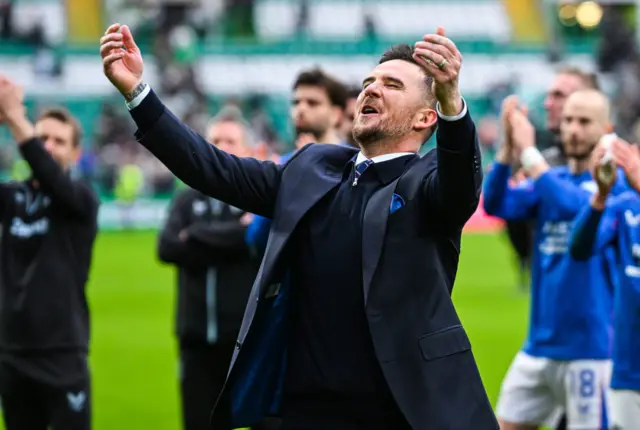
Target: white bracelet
{"points": [[530, 157]]}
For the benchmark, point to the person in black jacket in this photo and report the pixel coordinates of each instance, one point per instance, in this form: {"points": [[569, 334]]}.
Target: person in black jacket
{"points": [[205, 239], [49, 224]]}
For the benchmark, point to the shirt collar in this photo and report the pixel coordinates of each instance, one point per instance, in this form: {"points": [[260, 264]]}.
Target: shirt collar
{"points": [[384, 157]]}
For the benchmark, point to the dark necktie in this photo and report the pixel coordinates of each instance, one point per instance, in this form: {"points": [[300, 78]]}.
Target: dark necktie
{"points": [[359, 170]]}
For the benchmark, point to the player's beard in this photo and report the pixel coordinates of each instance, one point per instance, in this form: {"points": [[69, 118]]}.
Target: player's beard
{"points": [[351, 140], [580, 154], [367, 135], [316, 131]]}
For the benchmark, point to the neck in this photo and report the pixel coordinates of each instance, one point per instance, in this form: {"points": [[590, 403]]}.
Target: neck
{"points": [[389, 146], [577, 166], [331, 137]]}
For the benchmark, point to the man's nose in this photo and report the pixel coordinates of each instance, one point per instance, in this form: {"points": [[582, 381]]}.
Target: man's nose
{"points": [[372, 90]]}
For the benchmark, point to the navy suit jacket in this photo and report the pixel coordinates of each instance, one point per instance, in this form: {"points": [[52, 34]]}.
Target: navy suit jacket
{"points": [[409, 263]]}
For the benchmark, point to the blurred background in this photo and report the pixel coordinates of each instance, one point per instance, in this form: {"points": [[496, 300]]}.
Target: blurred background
{"points": [[202, 55]]}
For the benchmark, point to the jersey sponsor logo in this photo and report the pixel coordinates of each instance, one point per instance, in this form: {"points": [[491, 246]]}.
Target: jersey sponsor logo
{"points": [[633, 271], [631, 219], [556, 237], [31, 202], [76, 401], [19, 228]]}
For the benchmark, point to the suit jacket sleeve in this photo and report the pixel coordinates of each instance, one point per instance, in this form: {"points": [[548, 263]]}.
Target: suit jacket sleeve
{"points": [[452, 190], [245, 183]]}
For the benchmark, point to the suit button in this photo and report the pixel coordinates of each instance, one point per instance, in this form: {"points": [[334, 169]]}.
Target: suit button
{"points": [[238, 345]]}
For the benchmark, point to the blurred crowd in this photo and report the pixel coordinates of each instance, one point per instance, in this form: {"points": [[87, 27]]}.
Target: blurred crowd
{"points": [[174, 29]]}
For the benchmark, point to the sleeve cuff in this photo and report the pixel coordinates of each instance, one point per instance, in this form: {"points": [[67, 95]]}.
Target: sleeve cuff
{"points": [[447, 117], [147, 113], [139, 98], [27, 147]]}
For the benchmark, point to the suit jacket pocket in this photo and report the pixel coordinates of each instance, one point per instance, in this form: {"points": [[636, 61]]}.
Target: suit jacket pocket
{"points": [[442, 343]]}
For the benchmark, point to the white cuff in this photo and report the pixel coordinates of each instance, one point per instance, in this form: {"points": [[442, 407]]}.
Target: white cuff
{"points": [[530, 157], [455, 117], [138, 99]]}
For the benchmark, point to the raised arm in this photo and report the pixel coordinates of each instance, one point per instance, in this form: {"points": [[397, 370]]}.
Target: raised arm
{"points": [[567, 197], [453, 189], [596, 225], [593, 230], [74, 198], [246, 183], [509, 202]]}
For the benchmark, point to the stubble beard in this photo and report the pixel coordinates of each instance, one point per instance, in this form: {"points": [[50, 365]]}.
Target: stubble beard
{"points": [[316, 132], [381, 132]]}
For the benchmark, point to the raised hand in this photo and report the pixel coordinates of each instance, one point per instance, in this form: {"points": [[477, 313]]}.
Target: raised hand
{"points": [[121, 59], [604, 186], [523, 134], [442, 60], [506, 153], [627, 156], [11, 99]]}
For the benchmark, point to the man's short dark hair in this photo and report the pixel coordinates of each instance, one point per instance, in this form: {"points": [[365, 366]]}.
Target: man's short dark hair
{"points": [[404, 52], [336, 90], [589, 80], [64, 116]]}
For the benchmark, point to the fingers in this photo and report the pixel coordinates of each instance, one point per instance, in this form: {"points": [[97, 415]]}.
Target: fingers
{"points": [[508, 105], [111, 37], [621, 151], [113, 28], [111, 48], [127, 38], [112, 58], [429, 59], [440, 39], [434, 47]]}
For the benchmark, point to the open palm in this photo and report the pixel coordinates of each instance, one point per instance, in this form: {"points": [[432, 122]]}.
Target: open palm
{"points": [[123, 67]]}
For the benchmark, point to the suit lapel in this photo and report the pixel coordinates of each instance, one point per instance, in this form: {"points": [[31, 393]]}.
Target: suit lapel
{"points": [[309, 189]]}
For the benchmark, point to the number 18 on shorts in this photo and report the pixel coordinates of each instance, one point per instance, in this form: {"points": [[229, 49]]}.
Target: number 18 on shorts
{"points": [[536, 390]]}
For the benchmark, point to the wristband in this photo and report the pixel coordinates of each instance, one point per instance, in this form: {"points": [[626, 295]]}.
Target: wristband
{"points": [[530, 157]]}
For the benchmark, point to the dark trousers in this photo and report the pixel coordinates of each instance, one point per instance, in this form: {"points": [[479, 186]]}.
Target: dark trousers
{"points": [[520, 235], [203, 371], [28, 404]]}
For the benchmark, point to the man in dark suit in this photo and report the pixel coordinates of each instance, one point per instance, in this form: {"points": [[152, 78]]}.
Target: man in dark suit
{"points": [[363, 334]]}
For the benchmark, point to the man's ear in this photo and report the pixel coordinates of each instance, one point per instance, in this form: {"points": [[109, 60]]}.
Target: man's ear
{"points": [[425, 119]]}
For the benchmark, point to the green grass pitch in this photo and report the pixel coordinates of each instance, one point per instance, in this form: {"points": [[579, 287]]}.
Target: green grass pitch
{"points": [[133, 349]]}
